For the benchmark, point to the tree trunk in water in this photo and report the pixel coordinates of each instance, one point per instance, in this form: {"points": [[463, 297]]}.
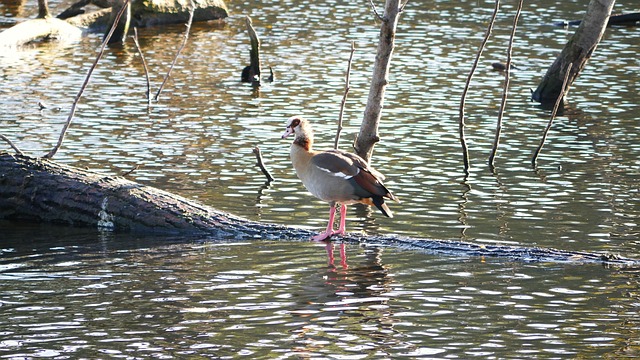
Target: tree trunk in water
{"points": [[368, 135], [577, 51], [40, 190]]}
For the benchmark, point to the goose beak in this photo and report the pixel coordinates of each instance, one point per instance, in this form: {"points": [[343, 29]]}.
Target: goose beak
{"points": [[287, 132]]}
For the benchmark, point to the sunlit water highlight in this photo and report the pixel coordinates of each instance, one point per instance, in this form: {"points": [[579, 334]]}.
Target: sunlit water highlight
{"points": [[130, 297]]}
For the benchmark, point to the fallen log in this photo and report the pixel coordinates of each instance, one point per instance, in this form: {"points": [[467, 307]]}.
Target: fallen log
{"points": [[144, 13], [41, 190], [630, 19]]}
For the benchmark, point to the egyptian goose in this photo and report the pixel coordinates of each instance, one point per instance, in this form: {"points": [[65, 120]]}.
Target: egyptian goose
{"points": [[335, 176]]}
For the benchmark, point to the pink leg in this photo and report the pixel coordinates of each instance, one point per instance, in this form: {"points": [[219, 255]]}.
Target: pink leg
{"points": [[327, 234], [343, 220]]}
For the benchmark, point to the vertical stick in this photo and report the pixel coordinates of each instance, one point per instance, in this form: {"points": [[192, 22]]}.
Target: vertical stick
{"points": [[344, 97], [144, 63], [184, 43], [55, 149], [534, 160], [505, 92], [461, 127]]}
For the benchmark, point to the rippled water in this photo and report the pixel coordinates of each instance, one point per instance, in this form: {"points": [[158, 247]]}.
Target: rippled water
{"points": [[98, 295], [132, 297]]}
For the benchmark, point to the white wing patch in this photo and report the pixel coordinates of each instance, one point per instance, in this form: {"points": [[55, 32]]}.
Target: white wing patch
{"points": [[339, 174]]}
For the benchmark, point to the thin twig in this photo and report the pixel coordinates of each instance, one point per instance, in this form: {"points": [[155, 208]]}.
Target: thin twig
{"points": [[127, 173], [534, 160], [144, 63], [402, 6], [463, 140], [13, 146], [175, 59], [86, 81], [505, 90], [347, 87], [375, 10], [258, 153]]}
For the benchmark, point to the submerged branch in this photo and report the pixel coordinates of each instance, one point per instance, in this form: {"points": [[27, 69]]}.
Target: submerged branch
{"points": [[184, 43]]}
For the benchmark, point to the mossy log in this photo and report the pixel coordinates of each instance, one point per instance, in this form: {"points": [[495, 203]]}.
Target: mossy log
{"points": [[144, 13], [40, 190]]}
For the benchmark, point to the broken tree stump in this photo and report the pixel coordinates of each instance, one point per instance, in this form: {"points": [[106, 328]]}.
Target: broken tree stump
{"points": [[577, 52], [252, 72]]}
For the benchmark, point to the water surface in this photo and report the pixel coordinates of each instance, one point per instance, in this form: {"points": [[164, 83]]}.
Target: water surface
{"points": [[86, 294], [120, 296]]}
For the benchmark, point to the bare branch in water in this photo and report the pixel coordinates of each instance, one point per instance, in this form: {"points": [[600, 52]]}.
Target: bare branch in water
{"points": [[86, 81], [184, 43], [144, 63], [534, 160], [127, 173], [258, 153], [13, 146], [463, 140], [347, 87], [505, 91]]}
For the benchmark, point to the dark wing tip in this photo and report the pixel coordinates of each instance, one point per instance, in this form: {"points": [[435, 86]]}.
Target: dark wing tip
{"points": [[378, 201]]}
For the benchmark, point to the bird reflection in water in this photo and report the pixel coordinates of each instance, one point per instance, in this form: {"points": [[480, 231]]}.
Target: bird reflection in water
{"points": [[331, 257], [365, 217]]}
